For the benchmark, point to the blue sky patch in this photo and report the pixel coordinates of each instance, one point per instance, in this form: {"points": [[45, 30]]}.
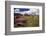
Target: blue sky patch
{"points": [[21, 9]]}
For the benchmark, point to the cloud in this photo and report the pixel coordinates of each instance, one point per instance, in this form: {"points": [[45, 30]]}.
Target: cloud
{"points": [[31, 11]]}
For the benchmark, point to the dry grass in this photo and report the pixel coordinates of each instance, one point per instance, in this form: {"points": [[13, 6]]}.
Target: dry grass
{"points": [[32, 21]]}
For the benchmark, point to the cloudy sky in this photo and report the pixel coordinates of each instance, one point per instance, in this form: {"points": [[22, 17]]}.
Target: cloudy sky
{"points": [[26, 10]]}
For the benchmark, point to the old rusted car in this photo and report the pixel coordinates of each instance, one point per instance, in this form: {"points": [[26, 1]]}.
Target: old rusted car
{"points": [[19, 21]]}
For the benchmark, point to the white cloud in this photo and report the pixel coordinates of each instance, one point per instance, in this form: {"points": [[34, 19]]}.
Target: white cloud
{"points": [[31, 11]]}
